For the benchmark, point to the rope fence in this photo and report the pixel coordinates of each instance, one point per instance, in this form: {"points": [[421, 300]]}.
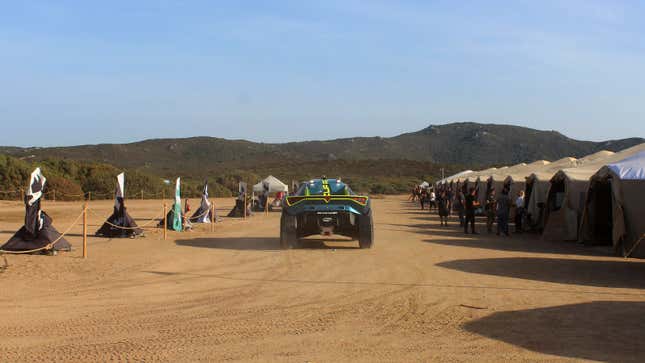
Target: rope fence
{"points": [[54, 194], [86, 211], [48, 246], [145, 225]]}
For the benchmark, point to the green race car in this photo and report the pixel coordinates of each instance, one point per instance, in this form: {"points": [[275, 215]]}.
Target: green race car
{"points": [[325, 207]]}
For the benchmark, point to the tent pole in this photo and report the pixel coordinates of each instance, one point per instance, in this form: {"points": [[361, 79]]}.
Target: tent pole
{"points": [[212, 216], [85, 230], [244, 205], [165, 222]]}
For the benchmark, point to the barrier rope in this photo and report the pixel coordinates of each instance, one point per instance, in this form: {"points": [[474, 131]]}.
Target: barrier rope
{"points": [[635, 245], [49, 246], [10, 191], [128, 228], [199, 216]]}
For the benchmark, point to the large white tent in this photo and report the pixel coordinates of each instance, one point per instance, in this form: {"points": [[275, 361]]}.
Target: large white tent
{"points": [[454, 178], [567, 194], [275, 185], [615, 206]]}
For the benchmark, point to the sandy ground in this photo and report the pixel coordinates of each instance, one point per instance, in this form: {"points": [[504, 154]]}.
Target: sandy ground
{"points": [[423, 293]]}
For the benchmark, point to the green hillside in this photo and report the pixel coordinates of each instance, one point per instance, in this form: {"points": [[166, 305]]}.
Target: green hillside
{"points": [[371, 164]]}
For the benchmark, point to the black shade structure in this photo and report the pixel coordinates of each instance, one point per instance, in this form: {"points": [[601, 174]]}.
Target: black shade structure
{"points": [[119, 224], [204, 213], [38, 231]]}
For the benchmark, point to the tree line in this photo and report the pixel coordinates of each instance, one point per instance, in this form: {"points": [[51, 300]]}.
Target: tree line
{"points": [[74, 180]]}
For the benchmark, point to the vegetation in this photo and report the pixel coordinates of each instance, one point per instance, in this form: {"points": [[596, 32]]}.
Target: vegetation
{"points": [[368, 164], [71, 180]]}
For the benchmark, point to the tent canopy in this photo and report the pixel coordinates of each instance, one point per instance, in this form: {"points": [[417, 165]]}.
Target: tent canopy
{"points": [[615, 206], [631, 168], [573, 184], [275, 185], [454, 177]]}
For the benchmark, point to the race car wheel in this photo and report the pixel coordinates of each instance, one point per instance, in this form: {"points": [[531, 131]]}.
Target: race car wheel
{"points": [[366, 230], [288, 232]]}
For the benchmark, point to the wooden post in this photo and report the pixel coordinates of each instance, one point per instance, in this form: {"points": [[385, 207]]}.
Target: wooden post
{"points": [[20, 194], [85, 230], [212, 216], [141, 194], [244, 205], [165, 222], [54, 195], [163, 194], [266, 206], [89, 196]]}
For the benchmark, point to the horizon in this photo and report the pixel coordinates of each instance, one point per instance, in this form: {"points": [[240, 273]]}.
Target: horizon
{"points": [[301, 140], [122, 72]]}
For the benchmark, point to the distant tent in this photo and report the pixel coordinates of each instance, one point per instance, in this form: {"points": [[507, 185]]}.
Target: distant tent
{"points": [[516, 178], [119, 224], [275, 185], [175, 216], [483, 184], [537, 187], [204, 213], [567, 195], [38, 231], [614, 211], [455, 178]]}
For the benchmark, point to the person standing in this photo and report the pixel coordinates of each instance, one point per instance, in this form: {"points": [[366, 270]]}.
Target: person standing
{"points": [[422, 196], [185, 220], [469, 206], [413, 194], [503, 210], [458, 206], [433, 200], [519, 211], [443, 208], [491, 209]]}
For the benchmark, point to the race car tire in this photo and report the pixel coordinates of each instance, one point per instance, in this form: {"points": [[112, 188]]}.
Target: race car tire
{"points": [[366, 230], [288, 231]]}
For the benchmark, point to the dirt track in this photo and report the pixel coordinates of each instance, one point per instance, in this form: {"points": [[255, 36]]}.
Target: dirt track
{"points": [[423, 293]]}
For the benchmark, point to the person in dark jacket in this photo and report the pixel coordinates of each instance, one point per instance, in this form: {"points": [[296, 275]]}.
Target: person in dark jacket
{"points": [[458, 207], [423, 198], [470, 204], [491, 209], [503, 212], [443, 207]]}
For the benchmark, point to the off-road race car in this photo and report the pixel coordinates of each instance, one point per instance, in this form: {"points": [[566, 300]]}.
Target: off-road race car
{"points": [[326, 206]]}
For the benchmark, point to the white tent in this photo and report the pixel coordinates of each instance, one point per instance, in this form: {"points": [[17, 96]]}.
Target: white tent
{"points": [[454, 177], [566, 197], [275, 185], [537, 188], [615, 206]]}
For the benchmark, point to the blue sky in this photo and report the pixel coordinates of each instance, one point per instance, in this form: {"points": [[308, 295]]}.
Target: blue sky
{"points": [[273, 71]]}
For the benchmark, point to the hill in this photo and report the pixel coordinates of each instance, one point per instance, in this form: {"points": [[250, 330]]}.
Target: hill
{"points": [[375, 164], [469, 144]]}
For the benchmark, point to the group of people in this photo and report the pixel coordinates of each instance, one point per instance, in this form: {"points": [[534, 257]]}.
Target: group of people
{"points": [[465, 204], [425, 197]]}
